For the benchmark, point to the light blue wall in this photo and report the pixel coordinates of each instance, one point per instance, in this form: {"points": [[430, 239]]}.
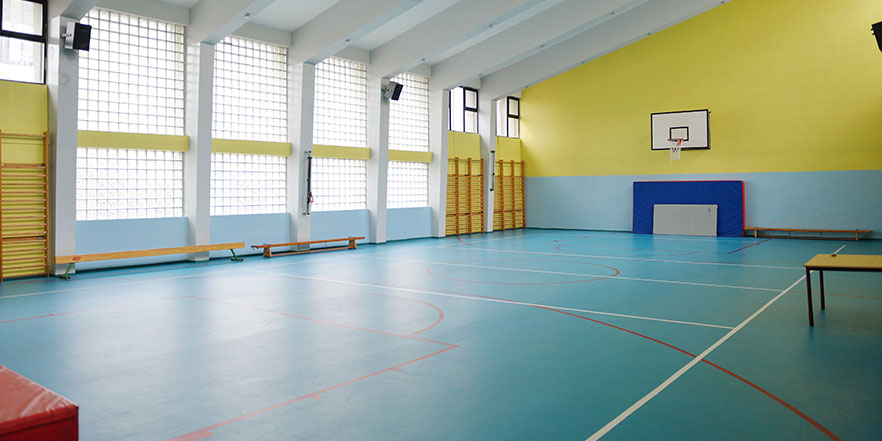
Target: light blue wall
{"points": [[408, 223], [337, 224], [253, 229], [130, 234], [829, 199]]}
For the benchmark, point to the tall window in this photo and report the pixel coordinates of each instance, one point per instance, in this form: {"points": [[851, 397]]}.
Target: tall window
{"points": [[508, 117], [22, 40], [132, 78], [340, 103], [250, 104], [340, 119], [131, 81], [408, 182], [464, 110]]}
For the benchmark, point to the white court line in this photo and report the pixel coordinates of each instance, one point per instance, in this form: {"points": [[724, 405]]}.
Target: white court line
{"points": [[620, 277], [640, 259], [617, 420], [512, 302], [840, 249]]}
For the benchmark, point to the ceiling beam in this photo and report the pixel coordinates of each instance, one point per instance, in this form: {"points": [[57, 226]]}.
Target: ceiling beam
{"points": [[341, 24], [441, 32], [75, 9], [600, 40], [552, 26], [212, 20]]}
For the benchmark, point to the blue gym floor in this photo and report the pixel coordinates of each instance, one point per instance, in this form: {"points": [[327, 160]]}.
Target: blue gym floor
{"points": [[521, 335]]}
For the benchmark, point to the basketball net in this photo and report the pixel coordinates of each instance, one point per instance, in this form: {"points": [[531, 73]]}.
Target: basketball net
{"points": [[675, 148]]}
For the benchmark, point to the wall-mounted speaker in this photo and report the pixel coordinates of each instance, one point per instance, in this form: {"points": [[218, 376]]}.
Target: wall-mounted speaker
{"points": [[393, 91], [877, 29], [77, 36]]}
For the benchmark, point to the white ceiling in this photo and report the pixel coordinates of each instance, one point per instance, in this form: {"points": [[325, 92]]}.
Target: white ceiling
{"points": [[502, 45]]}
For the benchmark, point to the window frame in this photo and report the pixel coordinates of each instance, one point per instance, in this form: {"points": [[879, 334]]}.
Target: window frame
{"points": [[465, 109], [42, 38], [509, 115]]}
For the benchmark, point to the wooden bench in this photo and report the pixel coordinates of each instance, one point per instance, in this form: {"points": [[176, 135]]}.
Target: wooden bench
{"points": [[71, 260], [756, 230], [267, 248], [865, 263]]}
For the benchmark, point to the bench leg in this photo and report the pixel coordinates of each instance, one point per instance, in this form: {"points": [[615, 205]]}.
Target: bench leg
{"points": [[66, 275], [351, 244], [808, 289], [235, 258]]}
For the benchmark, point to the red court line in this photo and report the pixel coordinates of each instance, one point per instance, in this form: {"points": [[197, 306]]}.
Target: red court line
{"points": [[85, 311], [437, 309], [751, 245]]}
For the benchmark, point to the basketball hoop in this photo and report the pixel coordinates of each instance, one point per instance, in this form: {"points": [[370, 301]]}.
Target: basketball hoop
{"points": [[676, 144]]}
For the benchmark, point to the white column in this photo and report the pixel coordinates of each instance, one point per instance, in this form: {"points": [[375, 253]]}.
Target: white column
{"points": [[301, 93], [62, 74], [378, 165], [439, 115], [487, 130], [197, 160]]}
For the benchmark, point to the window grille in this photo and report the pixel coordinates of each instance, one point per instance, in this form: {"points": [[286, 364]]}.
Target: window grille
{"points": [[339, 184], [340, 111], [129, 184], [250, 91], [132, 78], [247, 184]]}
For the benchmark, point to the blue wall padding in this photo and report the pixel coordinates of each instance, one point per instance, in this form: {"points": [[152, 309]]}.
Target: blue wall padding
{"points": [[727, 195]]}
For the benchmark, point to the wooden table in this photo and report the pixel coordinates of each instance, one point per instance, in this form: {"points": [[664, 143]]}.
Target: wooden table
{"points": [[837, 262]]}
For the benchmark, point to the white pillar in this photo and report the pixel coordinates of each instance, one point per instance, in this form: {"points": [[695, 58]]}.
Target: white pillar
{"points": [[62, 75], [439, 116], [197, 160], [378, 165], [301, 99], [487, 130]]}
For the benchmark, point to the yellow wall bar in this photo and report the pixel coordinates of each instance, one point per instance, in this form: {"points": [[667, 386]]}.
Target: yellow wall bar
{"points": [[409, 156], [111, 140], [251, 147], [333, 151]]}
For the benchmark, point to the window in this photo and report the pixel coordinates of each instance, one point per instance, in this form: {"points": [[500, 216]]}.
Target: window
{"points": [[464, 110], [22, 40], [408, 185], [132, 79], [129, 184], [507, 117], [340, 111], [339, 184], [408, 182], [250, 91], [247, 184]]}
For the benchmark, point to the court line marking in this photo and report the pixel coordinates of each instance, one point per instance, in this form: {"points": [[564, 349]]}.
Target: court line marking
{"points": [[640, 259], [607, 277], [840, 249], [513, 302], [637, 405]]}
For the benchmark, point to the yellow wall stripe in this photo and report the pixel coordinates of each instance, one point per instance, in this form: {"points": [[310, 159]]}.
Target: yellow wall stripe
{"points": [[112, 140], [333, 151], [24, 108], [409, 156], [251, 147]]}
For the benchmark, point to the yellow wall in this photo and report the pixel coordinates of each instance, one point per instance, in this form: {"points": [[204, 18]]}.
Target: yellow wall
{"points": [[508, 149], [23, 109], [792, 85], [463, 145]]}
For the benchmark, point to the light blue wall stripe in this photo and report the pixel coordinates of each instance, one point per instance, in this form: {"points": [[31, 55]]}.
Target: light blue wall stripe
{"points": [[408, 223], [829, 199], [130, 234], [337, 224], [253, 229]]}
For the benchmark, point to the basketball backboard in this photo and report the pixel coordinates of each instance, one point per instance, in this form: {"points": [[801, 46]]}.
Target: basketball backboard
{"points": [[691, 126]]}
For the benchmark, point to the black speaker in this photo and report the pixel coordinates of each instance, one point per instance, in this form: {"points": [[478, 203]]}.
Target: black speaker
{"points": [[393, 91], [877, 29], [78, 36]]}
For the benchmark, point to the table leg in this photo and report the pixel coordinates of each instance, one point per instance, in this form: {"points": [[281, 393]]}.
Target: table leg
{"points": [[821, 274], [808, 289]]}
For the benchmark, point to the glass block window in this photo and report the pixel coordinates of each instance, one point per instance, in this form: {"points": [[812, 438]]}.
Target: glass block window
{"points": [[508, 117], [129, 184], [250, 91], [247, 184], [408, 185], [339, 184], [22, 40], [464, 110], [132, 78], [340, 111], [409, 116]]}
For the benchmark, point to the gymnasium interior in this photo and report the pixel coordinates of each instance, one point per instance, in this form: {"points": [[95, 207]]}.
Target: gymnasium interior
{"points": [[270, 220]]}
